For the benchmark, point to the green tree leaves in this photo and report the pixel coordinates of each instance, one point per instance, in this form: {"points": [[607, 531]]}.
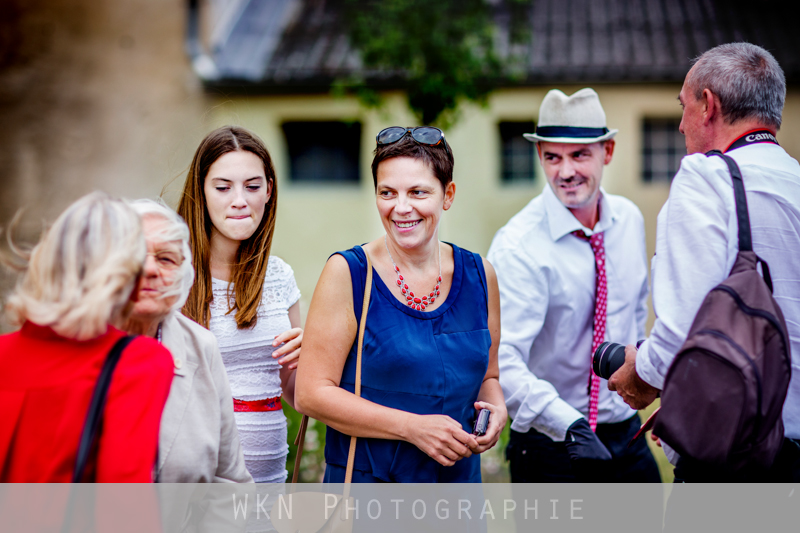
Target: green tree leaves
{"points": [[443, 51]]}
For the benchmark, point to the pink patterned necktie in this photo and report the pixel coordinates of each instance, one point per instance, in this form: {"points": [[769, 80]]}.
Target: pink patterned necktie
{"points": [[599, 330]]}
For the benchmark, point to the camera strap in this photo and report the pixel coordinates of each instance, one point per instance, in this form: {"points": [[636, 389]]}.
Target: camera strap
{"points": [[753, 137]]}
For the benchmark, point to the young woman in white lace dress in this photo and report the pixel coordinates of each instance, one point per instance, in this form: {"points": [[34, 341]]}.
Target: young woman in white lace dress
{"points": [[246, 297]]}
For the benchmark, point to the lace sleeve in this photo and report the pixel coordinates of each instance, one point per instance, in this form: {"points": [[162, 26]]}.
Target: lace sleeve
{"points": [[292, 291], [284, 275]]}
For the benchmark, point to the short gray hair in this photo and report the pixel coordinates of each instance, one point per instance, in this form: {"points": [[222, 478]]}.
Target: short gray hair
{"points": [[174, 230], [747, 80]]}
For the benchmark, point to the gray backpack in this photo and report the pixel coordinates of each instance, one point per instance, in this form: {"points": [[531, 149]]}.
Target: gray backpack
{"points": [[723, 396]]}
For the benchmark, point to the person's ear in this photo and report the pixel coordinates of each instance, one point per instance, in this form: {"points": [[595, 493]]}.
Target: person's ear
{"points": [[608, 148], [269, 189], [711, 106], [449, 195]]}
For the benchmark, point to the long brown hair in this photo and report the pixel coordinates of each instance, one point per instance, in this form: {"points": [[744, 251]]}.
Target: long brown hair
{"points": [[253, 254]]}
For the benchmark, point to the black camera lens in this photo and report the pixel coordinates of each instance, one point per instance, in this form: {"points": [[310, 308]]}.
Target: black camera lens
{"points": [[607, 359]]}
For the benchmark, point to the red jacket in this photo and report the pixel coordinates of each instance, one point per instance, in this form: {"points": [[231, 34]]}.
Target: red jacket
{"points": [[45, 389]]}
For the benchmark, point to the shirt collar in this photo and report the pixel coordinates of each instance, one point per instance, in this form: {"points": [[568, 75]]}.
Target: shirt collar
{"points": [[562, 221]]}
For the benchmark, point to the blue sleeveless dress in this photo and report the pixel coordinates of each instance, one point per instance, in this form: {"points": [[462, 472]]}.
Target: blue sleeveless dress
{"points": [[419, 362]]}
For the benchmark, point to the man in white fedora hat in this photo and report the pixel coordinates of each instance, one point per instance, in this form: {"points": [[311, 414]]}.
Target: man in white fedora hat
{"points": [[572, 271]]}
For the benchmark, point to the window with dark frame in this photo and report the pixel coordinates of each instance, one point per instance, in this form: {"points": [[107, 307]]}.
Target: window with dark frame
{"points": [[323, 152], [663, 147], [518, 154]]}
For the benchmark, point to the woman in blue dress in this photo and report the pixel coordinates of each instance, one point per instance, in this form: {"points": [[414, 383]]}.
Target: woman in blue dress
{"points": [[429, 360]]}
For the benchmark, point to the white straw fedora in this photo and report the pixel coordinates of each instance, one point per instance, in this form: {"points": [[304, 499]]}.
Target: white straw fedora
{"points": [[571, 119]]}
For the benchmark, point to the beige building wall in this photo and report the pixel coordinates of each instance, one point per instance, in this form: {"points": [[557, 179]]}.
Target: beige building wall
{"points": [[317, 220]]}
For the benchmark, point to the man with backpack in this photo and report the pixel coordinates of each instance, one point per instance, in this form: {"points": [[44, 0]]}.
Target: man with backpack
{"points": [[732, 102]]}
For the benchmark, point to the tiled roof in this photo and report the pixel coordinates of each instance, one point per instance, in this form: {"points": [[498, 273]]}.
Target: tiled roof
{"points": [[301, 45]]}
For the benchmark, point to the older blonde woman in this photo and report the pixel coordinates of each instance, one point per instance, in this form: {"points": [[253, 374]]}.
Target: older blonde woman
{"points": [[77, 287], [199, 441]]}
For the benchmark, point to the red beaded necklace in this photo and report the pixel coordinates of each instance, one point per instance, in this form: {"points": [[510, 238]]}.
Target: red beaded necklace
{"points": [[412, 300]]}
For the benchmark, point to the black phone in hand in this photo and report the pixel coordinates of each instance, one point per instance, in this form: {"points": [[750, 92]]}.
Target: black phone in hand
{"points": [[481, 423]]}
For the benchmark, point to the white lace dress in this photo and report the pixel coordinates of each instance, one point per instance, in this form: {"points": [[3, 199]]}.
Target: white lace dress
{"points": [[253, 373]]}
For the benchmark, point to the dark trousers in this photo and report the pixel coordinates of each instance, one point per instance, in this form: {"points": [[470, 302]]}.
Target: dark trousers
{"points": [[785, 469], [536, 458]]}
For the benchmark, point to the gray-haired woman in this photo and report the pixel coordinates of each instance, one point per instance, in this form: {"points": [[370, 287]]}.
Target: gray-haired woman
{"points": [[198, 441]]}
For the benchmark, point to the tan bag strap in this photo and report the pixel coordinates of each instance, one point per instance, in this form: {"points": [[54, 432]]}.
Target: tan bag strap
{"points": [[299, 441], [301, 435], [351, 457]]}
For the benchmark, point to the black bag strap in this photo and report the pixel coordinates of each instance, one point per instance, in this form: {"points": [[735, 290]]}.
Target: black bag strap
{"points": [[766, 275], [94, 416], [742, 218]]}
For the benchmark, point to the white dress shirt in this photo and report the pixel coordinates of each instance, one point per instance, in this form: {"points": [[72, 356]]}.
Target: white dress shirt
{"points": [[547, 298], [697, 243]]}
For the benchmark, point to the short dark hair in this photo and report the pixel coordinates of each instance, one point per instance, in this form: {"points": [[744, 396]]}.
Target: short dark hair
{"points": [[438, 158], [747, 80]]}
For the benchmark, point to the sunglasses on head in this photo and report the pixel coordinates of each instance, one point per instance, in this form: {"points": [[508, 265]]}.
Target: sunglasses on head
{"points": [[422, 134]]}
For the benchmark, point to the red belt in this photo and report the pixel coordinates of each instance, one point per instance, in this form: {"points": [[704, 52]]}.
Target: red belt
{"points": [[257, 406]]}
